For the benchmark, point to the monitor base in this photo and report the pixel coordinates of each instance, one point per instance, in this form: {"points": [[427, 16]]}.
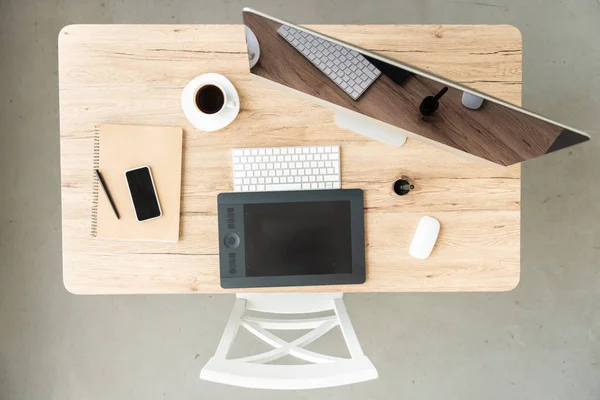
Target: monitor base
{"points": [[359, 125]]}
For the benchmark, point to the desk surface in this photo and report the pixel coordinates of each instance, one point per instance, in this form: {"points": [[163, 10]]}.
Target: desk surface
{"points": [[134, 74]]}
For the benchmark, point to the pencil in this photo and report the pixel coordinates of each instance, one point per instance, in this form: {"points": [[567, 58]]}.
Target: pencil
{"points": [[107, 193]]}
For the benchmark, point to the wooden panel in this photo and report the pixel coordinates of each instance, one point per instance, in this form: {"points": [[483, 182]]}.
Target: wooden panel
{"points": [[134, 74]]}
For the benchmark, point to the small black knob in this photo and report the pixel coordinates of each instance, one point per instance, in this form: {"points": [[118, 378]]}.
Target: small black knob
{"points": [[431, 103], [402, 187]]}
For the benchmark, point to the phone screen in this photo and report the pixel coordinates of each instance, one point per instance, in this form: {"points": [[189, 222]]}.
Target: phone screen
{"points": [[143, 193]]}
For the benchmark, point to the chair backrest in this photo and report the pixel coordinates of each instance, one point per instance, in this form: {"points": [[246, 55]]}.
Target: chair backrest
{"points": [[320, 371]]}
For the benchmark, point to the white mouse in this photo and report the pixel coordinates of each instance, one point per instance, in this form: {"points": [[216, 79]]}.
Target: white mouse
{"points": [[471, 101], [425, 238]]}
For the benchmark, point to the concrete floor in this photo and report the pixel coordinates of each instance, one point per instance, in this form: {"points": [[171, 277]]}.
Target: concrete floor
{"points": [[540, 341]]}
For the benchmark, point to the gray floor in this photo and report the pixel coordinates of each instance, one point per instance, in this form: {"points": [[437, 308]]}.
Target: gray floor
{"points": [[540, 341]]}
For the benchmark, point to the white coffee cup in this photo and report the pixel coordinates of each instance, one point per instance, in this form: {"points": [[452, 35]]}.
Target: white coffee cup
{"points": [[210, 102], [211, 98]]}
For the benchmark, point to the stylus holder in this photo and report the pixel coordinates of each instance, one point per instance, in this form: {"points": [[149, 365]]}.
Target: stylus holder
{"points": [[402, 187]]}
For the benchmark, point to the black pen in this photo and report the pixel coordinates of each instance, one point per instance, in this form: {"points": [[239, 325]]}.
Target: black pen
{"points": [[105, 189]]}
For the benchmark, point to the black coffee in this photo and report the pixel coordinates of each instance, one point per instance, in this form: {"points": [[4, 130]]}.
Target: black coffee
{"points": [[210, 99]]}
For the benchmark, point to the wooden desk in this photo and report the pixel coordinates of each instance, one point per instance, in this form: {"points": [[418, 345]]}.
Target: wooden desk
{"points": [[134, 74]]}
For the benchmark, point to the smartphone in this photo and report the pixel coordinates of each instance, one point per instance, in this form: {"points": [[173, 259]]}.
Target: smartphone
{"points": [[143, 193]]}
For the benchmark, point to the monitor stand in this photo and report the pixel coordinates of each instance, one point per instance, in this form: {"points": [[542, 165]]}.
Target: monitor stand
{"points": [[378, 131]]}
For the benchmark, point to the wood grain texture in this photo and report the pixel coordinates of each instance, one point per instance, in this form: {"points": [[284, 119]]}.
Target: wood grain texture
{"points": [[134, 74]]}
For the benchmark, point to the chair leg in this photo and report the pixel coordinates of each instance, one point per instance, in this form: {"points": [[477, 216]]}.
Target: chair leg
{"points": [[347, 329], [231, 329]]}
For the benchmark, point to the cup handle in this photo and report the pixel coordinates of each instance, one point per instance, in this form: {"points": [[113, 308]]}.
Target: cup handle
{"points": [[231, 104]]}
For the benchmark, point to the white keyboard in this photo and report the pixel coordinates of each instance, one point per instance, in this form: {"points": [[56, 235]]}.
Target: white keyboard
{"points": [[286, 168], [351, 71]]}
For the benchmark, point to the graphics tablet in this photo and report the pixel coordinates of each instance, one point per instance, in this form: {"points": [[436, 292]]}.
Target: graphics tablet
{"points": [[295, 238]]}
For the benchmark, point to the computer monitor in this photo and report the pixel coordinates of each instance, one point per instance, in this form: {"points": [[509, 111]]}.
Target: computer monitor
{"points": [[387, 100]]}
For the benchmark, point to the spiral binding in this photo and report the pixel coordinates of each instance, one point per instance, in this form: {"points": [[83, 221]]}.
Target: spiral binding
{"points": [[96, 165]]}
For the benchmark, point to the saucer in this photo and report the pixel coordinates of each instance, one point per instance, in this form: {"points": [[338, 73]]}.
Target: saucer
{"points": [[212, 122]]}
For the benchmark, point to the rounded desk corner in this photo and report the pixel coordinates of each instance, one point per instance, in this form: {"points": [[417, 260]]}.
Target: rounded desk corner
{"points": [[513, 285], [70, 287], [65, 31], [516, 32]]}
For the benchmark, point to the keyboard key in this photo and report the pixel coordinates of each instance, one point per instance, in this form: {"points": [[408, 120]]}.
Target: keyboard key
{"points": [[239, 174], [331, 178], [260, 188], [283, 186], [254, 181]]}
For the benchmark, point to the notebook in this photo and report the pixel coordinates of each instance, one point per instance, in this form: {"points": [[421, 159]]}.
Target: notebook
{"points": [[118, 148]]}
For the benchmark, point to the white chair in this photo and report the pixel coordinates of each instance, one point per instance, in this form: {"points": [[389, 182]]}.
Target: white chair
{"points": [[319, 372]]}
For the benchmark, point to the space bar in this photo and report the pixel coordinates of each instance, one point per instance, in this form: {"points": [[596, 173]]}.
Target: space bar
{"points": [[283, 186]]}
